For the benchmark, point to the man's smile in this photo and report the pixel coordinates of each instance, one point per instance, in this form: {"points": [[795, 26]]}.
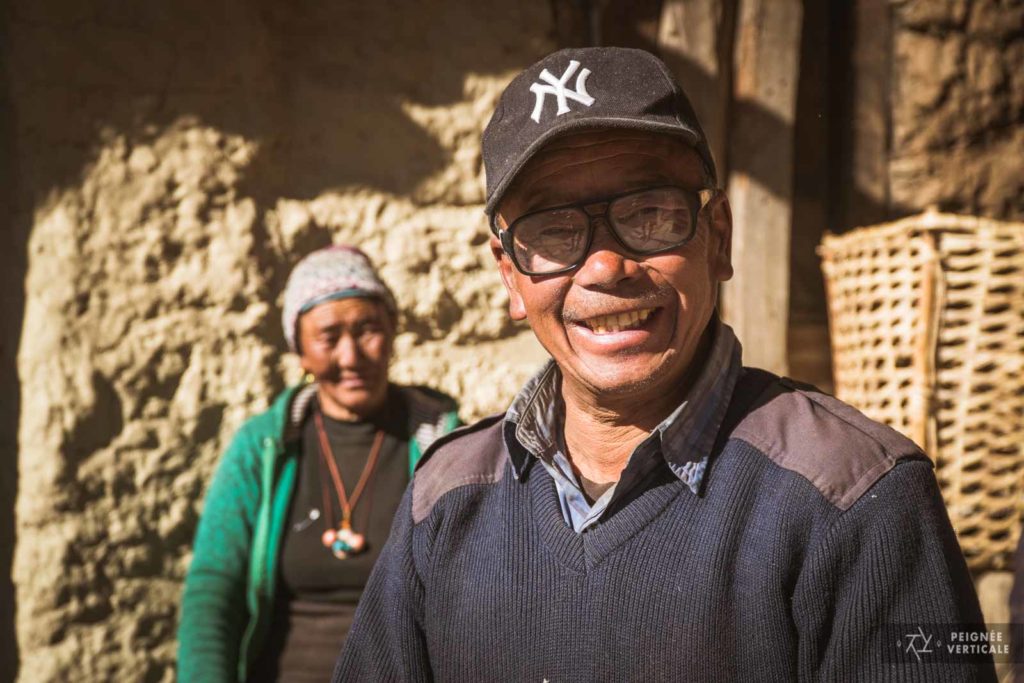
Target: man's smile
{"points": [[640, 330], [617, 322]]}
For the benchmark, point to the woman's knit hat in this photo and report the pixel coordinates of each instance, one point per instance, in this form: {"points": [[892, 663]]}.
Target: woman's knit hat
{"points": [[335, 272]]}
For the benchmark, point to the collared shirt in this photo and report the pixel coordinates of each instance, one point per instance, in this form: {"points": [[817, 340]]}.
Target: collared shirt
{"points": [[683, 440]]}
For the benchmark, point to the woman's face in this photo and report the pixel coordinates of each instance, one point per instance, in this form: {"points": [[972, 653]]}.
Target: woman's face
{"points": [[346, 346]]}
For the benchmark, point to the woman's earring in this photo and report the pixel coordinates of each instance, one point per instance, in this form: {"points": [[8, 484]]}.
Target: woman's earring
{"points": [[308, 378]]}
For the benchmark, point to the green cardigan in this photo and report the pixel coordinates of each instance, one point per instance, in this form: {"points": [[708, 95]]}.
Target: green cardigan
{"points": [[229, 589]]}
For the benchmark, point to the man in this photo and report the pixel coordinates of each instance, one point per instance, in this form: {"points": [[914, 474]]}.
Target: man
{"points": [[648, 509]]}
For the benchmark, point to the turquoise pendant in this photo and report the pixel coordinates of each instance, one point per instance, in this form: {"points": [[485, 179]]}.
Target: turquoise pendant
{"points": [[347, 543]]}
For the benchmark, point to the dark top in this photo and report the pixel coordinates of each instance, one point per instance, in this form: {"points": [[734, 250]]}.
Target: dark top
{"points": [[317, 594], [815, 535]]}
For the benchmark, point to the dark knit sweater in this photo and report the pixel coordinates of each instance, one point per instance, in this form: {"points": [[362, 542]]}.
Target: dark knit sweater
{"points": [[815, 528]]}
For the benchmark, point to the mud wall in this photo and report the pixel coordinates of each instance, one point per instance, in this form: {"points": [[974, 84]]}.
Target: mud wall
{"points": [[174, 160], [957, 112]]}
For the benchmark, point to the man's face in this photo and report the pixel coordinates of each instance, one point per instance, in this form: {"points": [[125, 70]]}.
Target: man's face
{"points": [[346, 346], [619, 324]]}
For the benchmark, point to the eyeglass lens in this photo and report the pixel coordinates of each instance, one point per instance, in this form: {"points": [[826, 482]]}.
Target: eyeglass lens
{"points": [[645, 222]]}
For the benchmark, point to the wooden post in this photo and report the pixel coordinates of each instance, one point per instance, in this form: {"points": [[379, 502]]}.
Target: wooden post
{"points": [[629, 23], [864, 190], [760, 143], [695, 39]]}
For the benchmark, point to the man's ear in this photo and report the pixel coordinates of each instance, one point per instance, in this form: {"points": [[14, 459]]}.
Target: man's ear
{"points": [[508, 272], [720, 244]]}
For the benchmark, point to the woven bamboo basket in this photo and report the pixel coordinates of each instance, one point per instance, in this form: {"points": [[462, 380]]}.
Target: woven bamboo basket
{"points": [[927, 323]]}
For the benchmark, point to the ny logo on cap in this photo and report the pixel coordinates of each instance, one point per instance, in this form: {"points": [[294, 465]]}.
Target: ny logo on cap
{"points": [[556, 87]]}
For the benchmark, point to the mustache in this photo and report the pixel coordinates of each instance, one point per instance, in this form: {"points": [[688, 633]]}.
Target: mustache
{"points": [[601, 304]]}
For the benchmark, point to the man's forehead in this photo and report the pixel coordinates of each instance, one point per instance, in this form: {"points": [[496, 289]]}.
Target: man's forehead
{"points": [[576, 152], [579, 148]]}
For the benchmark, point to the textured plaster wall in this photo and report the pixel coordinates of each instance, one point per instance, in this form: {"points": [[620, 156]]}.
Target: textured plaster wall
{"points": [[958, 106], [174, 160]]}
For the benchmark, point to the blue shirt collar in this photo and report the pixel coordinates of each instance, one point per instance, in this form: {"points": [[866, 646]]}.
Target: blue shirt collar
{"points": [[685, 438]]}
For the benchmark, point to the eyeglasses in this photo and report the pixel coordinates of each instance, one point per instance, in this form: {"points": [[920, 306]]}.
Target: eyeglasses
{"points": [[645, 222]]}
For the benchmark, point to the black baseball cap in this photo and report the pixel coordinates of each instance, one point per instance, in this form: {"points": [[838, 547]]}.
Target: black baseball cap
{"points": [[584, 88]]}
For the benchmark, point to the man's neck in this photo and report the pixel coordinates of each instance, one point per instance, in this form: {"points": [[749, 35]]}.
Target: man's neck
{"points": [[599, 444]]}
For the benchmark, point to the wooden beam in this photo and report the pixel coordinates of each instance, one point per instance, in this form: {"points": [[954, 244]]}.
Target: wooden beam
{"points": [[630, 23], [760, 148], [695, 39], [864, 184]]}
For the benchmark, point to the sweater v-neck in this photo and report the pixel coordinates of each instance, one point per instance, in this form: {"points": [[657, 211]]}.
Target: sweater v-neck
{"points": [[584, 552]]}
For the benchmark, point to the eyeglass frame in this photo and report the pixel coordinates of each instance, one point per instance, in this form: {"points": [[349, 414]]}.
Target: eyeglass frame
{"points": [[704, 197]]}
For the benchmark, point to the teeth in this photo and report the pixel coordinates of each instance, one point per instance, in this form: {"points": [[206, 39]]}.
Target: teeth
{"points": [[603, 324]]}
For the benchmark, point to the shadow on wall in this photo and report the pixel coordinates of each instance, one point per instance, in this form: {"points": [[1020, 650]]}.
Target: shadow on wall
{"points": [[12, 305], [324, 89], [327, 103]]}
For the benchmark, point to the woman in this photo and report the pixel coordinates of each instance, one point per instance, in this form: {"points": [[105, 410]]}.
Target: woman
{"points": [[301, 502]]}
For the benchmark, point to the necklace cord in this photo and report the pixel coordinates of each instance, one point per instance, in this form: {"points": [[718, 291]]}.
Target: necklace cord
{"points": [[324, 493], [347, 504]]}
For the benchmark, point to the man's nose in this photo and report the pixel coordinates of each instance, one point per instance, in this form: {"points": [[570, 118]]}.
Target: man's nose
{"points": [[607, 263]]}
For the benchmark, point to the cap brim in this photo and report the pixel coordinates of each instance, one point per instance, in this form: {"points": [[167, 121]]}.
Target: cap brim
{"points": [[678, 129]]}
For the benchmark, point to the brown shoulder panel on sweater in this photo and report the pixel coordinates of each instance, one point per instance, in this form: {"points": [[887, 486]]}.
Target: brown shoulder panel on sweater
{"points": [[469, 455], [829, 443]]}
